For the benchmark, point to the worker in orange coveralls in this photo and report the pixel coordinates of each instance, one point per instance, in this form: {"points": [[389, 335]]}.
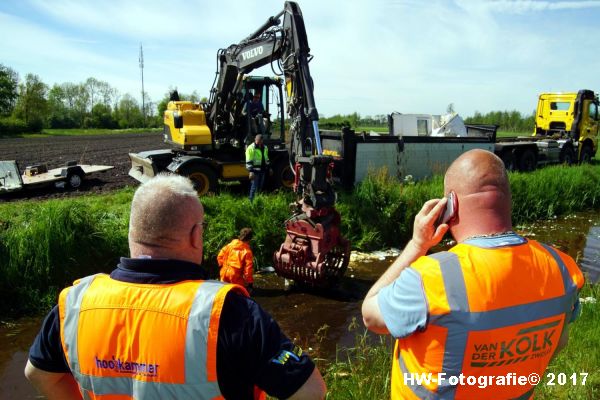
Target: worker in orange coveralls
{"points": [[236, 261]]}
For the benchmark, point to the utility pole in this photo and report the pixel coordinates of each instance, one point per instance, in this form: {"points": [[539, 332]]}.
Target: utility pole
{"points": [[143, 93]]}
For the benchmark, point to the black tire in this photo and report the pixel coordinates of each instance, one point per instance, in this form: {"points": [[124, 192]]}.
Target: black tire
{"points": [[586, 154], [74, 179], [203, 177], [283, 176], [567, 155], [527, 161], [510, 160]]}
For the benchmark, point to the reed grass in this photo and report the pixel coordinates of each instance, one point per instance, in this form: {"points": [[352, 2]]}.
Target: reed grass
{"points": [[46, 245], [362, 371]]}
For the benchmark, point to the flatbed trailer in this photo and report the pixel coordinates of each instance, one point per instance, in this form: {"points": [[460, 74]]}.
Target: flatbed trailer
{"points": [[70, 175], [405, 158]]}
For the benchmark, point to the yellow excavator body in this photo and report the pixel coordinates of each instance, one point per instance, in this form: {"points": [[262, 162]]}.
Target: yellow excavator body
{"points": [[185, 125]]}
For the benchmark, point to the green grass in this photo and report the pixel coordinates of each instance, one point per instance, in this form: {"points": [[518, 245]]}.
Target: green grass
{"points": [[502, 134], [364, 371], [379, 129], [582, 355], [85, 132], [46, 245], [553, 191]]}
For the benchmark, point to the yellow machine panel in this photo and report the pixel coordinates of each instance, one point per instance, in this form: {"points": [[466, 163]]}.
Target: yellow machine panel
{"points": [[234, 170], [186, 124]]}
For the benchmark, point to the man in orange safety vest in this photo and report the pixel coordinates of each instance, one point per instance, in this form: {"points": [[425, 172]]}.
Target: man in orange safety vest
{"points": [[236, 261], [483, 319], [157, 328]]}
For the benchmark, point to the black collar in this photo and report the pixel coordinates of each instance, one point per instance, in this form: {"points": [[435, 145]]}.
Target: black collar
{"points": [[157, 270]]}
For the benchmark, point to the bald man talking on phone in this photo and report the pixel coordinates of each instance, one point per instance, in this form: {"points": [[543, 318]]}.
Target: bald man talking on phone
{"points": [[495, 305]]}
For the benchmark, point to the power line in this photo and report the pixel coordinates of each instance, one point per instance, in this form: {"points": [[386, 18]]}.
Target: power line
{"points": [[141, 59]]}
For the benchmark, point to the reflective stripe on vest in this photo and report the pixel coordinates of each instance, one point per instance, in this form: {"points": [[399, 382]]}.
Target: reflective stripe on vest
{"points": [[460, 317], [198, 384]]}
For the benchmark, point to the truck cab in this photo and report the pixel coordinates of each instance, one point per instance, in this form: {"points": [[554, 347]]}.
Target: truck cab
{"points": [[572, 117]]}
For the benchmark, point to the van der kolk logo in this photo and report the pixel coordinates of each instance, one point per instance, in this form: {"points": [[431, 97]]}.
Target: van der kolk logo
{"points": [[257, 51], [127, 367], [533, 342]]}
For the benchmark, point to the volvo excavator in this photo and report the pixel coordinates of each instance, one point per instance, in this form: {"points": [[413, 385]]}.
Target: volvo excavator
{"points": [[208, 143]]}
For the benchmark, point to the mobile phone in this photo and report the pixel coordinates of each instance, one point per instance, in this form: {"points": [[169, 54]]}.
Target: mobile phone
{"points": [[449, 212]]}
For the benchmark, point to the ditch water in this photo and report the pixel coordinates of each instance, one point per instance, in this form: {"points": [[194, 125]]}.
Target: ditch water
{"points": [[320, 322]]}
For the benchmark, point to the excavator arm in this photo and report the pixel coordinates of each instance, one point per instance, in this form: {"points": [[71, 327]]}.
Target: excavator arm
{"points": [[275, 41], [314, 252]]}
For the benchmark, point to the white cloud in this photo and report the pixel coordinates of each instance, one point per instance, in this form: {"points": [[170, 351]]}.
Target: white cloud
{"points": [[371, 57], [181, 21], [524, 6], [29, 44]]}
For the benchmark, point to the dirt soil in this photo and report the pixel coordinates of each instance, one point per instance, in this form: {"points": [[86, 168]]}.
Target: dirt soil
{"points": [[56, 151]]}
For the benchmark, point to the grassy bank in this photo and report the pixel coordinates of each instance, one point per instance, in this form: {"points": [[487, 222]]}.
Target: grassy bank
{"points": [[364, 371], [45, 245], [502, 134]]}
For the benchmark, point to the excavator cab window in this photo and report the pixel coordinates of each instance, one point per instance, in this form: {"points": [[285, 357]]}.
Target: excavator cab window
{"points": [[270, 122], [255, 111], [593, 111], [275, 106]]}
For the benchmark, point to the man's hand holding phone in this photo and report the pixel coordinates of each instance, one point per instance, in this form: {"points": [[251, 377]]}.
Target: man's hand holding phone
{"points": [[449, 213], [431, 223]]}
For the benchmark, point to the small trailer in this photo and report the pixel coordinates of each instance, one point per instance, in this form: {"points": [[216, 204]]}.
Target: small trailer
{"points": [[70, 175]]}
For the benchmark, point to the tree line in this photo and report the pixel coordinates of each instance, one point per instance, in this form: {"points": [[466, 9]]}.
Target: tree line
{"points": [[29, 105], [512, 121]]}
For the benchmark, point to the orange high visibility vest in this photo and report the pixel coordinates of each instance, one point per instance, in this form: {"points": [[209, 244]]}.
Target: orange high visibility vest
{"points": [[490, 312], [143, 341], [236, 263]]}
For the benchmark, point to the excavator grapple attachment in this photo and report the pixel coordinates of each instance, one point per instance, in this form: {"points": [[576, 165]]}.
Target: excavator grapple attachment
{"points": [[314, 251]]}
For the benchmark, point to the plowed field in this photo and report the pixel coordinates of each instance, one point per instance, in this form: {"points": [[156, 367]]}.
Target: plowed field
{"points": [[55, 151]]}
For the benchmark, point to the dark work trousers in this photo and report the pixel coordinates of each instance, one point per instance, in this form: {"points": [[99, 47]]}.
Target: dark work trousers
{"points": [[257, 184]]}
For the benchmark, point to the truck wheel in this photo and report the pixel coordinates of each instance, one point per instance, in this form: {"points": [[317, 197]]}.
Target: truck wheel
{"points": [[283, 176], [74, 180], [527, 161], [567, 155], [203, 178], [510, 160], [586, 154]]}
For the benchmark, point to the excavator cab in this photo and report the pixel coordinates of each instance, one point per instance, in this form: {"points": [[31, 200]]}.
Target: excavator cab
{"points": [[269, 122]]}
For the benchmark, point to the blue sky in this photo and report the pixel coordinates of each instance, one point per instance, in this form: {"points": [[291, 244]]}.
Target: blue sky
{"points": [[372, 57]]}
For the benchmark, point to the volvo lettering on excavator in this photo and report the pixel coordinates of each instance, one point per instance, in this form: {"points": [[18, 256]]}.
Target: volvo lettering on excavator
{"points": [[208, 142]]}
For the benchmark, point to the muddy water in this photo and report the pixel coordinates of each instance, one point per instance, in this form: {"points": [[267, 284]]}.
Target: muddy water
{"points": [[15, 339], [319, 321]]}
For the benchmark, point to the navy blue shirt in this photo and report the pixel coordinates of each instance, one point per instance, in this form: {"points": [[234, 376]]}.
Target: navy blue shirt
{"points": [[251, 349]]}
